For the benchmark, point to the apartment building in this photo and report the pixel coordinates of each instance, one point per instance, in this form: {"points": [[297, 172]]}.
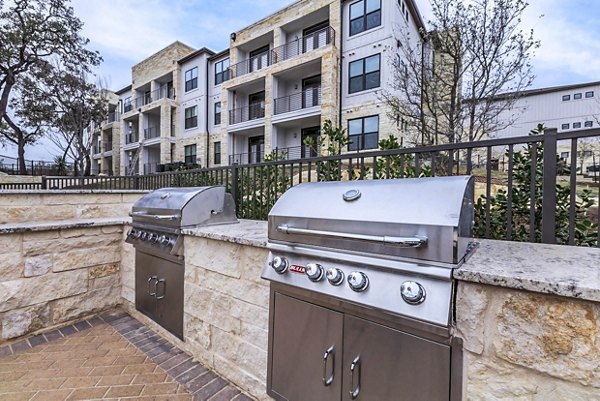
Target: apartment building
{"points": [[105, 138], [280, 79]]}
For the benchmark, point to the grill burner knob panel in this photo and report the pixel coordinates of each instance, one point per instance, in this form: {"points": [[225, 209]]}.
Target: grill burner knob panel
{"points": [[358, 281], [314, 271], [412, 292], [279, 264], [163, 240], [335, 276]]}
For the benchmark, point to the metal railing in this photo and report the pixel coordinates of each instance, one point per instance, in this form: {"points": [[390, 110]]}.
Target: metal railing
{"points": [[96, 149], [254, 63], [132, 137], [127, 108], [151, 132], [108, 146], [246, 113], [247, 158], [155, 95], [150, 168], [10, 165], [315, 40], [523, 190], [112, 117], [302, 100]]}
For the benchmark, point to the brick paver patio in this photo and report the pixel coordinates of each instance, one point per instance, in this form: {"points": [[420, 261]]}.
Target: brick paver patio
{"points": [[113, 357]]}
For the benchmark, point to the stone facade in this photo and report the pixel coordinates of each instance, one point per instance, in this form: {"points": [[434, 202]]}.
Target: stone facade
{"points": [[48, 278], [528, 346]]}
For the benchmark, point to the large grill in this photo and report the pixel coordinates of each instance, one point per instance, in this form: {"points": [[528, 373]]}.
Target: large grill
{"points": [[157, 221], [362, 289]]}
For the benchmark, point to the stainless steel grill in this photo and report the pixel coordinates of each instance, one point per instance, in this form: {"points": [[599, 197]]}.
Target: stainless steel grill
{"points": [[362, 289], [157, 221]]}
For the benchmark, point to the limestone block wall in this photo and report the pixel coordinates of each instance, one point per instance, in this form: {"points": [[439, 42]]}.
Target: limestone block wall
{"points": [[57, 275], [6, 179], [527, 346], [38, 206]]}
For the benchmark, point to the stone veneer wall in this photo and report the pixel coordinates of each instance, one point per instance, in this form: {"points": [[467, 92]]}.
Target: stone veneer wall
{"points": [[51, 277], [526, 346], [37, 206]]}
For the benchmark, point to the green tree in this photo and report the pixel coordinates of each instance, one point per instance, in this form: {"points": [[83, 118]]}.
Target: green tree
{"points": [[331, 142], [585, 229], [397, 166]]}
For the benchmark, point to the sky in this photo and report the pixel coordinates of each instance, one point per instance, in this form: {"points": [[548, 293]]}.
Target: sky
{"points": [[127, 31]]}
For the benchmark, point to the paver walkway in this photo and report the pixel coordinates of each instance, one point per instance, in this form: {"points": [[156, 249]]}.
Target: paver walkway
{"points": [[114, 357]]}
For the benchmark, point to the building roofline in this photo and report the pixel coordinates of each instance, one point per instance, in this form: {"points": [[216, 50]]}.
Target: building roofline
{"points": [[177, 42], [414, 12], [549, 89], [196, 53], [219, 54], [123, 90]]}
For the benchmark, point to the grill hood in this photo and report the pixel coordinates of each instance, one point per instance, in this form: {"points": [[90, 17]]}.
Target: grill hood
{"points": [[428, 219], [178, 208]]}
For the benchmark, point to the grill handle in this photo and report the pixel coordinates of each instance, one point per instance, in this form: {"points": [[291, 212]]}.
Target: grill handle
{"points": [[328, 380], [155, 216], [406, 242], [355, 388]]}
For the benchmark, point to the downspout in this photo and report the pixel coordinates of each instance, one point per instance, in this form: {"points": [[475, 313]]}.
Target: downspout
{"points": [[341, 63], [207, 110]]}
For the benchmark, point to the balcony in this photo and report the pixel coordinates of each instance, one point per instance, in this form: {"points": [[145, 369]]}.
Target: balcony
{"points": [[112, 117], [252, 64], [308, 98], [108, 146], [127, 108], [150, 168], [303, 45], [155, 95], [247, 158], [132, 137], [151, 132], [247, 113]]}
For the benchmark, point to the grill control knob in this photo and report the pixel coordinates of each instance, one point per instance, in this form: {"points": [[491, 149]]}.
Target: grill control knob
{"points": [[279, 264], [144, 236], [358, 281], [130, 232], [335, 276], [314, 271], [137, 234], [163, 240], [412, 292], [153, 238]]}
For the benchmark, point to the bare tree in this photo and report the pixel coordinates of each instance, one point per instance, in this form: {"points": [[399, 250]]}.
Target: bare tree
{"points": [[32, 32], [462, 82]]}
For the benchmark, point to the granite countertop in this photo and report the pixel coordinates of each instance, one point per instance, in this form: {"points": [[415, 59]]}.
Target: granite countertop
{"points": [[12, 228], [246, 232], [568, 271]]}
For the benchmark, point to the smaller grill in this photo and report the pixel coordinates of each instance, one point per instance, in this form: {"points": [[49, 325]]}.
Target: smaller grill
{"points": [[157, 220]]}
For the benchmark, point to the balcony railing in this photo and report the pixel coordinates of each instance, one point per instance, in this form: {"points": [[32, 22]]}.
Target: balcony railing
{"points": [[96, 149], [132, 137], [290, 153], [247, 158], [247, 113], [308, 98], [150, 168], [108, 146], [155, 95], [151, 132], [112, 117], [315, 40], [251, 64], [127, 108]]}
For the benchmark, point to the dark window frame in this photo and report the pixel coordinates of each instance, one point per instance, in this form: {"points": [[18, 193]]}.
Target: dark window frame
{"points": [[217, 152], [565, 126], [217, 116], [191, 83], [360, 145], [566, 98], [577, 125], [127, 104], [588, 124], [192, 120], [589, 94], [577, 96], [364, 75], [221, 71], [364, 17], [190, 157], [564, 155]]}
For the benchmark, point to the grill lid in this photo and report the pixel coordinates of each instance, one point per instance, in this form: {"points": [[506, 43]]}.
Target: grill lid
{"points": [[423, 218], [184, 207]]}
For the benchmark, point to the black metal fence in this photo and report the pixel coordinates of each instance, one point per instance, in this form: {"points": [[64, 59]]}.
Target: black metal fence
{"points": [[10, 165], [541, 188]]}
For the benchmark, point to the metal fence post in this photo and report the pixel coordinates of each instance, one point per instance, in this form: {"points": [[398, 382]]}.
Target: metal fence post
{"points": [[549, 187], [234, 184], [44, 183]]}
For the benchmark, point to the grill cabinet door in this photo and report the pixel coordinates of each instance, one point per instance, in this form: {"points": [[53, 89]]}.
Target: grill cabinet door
{"points": [[392, 365], [169, 297], [145, 279], [302, 334]]}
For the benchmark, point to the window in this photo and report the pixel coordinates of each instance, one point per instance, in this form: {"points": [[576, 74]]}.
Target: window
{"points": [[221, 71], [588, 124], [566, 98], [363, 133], [127, 105], [191, 117], [589, 94], [364, 15], [364, 74], [564, 126], [576, 125], [190, 154], [217, 153], [218, 113], [191, 79], [577, 96], [564, 155]]}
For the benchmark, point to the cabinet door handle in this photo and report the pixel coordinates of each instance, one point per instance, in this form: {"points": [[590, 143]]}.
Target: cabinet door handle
{"points": [[328, 380], [355, 389], [152, 294], [164, 283]]}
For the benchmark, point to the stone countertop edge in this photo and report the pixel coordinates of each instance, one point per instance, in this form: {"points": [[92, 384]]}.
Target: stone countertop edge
{"points": [[246, 232], [567, 271], [12, 228]]}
